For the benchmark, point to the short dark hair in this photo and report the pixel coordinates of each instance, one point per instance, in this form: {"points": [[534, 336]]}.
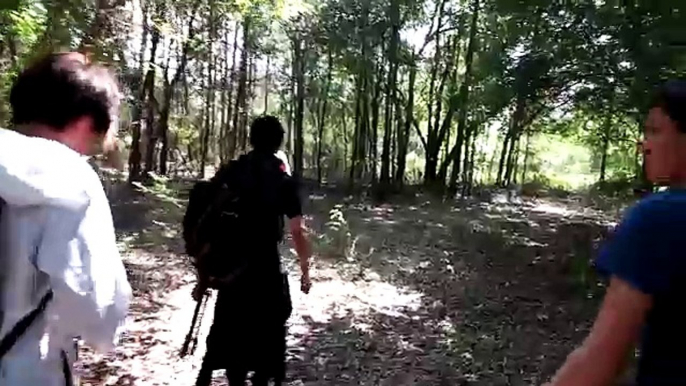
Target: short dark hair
{"points": [[62, 87], [671, 98], [266, 134]]}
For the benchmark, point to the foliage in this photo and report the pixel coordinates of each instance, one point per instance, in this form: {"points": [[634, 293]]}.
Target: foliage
{"points": [[575, 73]]}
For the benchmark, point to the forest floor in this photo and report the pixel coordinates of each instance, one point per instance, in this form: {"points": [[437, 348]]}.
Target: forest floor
{"points": [[416, 292]]}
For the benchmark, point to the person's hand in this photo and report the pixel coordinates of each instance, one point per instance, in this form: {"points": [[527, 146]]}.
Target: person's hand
{"points": [[305, 283], [199, 291]]}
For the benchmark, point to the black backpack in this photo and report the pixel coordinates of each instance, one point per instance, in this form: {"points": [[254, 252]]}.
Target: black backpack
{"points": [[233, 213]]}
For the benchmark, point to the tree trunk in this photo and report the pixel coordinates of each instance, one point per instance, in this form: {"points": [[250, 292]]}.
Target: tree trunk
{"points": [[436, 138], [151, 106], [224, 85], [527, 152], [467, 154], [404, 138], [434, 73], [503, 155], [137, 109], [607, 137], [299, 62], [205, 137], [163, 127], [322, 116], [229, 132], [266, 86], [464, 95], [376, 106], [604, 150], [238, 133], [169, 87], [391, 86], [356, 133], [516, 128]]}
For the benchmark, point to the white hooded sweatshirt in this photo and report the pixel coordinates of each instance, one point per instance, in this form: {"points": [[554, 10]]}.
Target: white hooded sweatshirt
{"points": [[56, 232]]}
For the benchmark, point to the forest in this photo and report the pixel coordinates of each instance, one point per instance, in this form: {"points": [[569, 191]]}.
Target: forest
{"points": [[381, 93], [392, 109]]}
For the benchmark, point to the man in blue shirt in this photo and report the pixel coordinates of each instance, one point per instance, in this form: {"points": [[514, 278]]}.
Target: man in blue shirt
{"points": [[644, 261]]}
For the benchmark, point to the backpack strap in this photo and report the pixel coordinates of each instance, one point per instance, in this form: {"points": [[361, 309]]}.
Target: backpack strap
{"points": [[19, 329]]}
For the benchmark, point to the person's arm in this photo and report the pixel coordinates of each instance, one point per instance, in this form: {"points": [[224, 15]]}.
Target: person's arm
{"points": [[638, 260], [601, 357], [302, 245], [91, 290], [293, 210]]}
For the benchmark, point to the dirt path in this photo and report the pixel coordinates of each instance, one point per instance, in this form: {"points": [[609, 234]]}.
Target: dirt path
{"points": [[414, 294]]}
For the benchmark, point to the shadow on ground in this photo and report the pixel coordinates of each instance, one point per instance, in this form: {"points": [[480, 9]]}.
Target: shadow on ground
{"points": [[418, 293], [505, 291]]}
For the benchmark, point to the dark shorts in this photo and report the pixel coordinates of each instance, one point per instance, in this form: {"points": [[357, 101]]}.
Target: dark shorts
{"points": [[248, 332]]}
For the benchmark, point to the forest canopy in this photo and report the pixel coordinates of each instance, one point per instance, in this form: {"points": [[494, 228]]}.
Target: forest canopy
{"points": [[446, 93]]}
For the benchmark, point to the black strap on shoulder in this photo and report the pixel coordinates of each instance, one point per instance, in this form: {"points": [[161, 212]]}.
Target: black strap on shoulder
{"points": [[19, 329]]}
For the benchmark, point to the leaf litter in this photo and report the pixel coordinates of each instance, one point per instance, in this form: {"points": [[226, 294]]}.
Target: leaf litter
{"points": [[428, 294]]}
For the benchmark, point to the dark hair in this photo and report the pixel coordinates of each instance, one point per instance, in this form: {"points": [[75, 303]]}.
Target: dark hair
{"points": [[62, 87], [671, 98], [266, 134]]}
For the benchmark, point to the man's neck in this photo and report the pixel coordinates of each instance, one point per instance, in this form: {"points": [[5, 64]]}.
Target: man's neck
{"points": [[46, 132]]}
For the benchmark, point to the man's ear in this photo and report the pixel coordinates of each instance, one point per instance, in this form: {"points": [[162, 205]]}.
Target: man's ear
{"points": [[82, 135]]}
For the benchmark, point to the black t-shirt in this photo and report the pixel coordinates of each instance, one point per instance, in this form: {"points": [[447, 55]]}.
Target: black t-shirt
{"points": [[267, 194]]}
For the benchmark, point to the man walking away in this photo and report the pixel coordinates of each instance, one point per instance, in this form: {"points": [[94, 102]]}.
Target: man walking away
{"points": [[249, 329], [61, 275]]}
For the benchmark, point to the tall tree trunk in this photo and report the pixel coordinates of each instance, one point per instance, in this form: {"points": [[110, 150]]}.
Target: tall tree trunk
{"points": [[299, 107], [605, 148], [376, 105], [266, 86], [230, 133], [516, 132], [404, 138], [291, 106], [432, 174], [164, 122], [503, 154], [170, 86], [322, 116], [515, 164], [400, 147], [606, 137], [467, 148], [205, 137], [470, 176], [151, 106], [391, 87], [344, 132], [434, 73], [356, 133], [464, 96], [224, 86], [527, 153], [241, 97], [137, 110]]}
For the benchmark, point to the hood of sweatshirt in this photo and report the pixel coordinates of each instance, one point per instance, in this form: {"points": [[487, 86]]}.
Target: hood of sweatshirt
{"points": [[38, 171]]}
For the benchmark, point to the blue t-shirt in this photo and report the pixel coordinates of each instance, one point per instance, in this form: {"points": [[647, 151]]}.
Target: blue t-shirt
{"points": [[646, 251]]}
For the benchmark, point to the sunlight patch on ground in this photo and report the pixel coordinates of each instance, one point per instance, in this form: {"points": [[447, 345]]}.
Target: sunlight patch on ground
{"points": [[549, 208], [338, 298]]}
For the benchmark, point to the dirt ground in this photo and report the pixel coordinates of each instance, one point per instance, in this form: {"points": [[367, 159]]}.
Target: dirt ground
{"points": [[414, 293]]}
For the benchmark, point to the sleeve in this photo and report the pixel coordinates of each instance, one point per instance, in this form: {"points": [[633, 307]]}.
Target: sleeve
{"points": [[292, 204], [92, 293], [639, 251]]}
